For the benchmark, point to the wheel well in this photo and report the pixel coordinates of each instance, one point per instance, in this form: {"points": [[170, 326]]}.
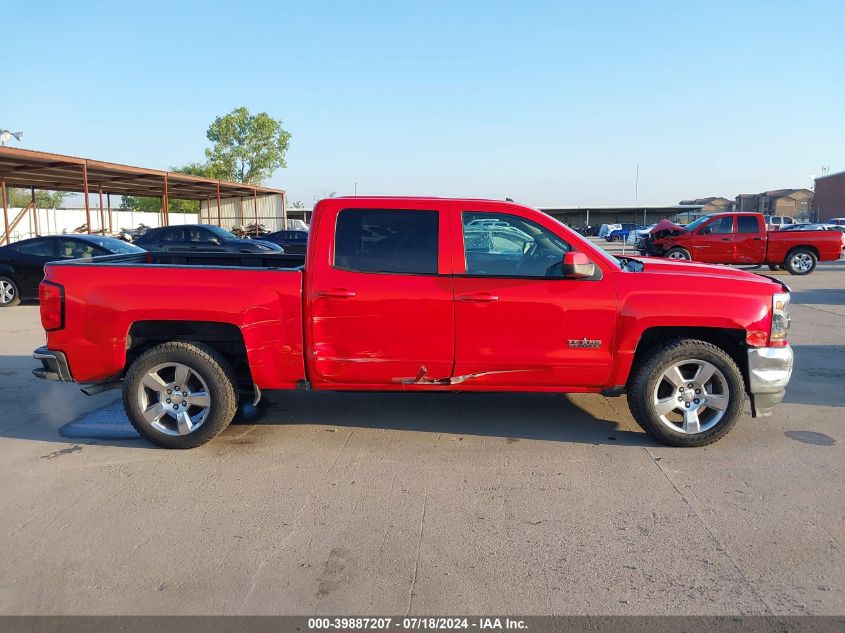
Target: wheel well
{"points": [[731, 341], [808, 247], [226, 338]]}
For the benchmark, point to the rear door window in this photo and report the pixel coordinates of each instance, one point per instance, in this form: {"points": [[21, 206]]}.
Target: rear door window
{"points": [[173, 234], [38, 248], [747, 224], [387, 241]]}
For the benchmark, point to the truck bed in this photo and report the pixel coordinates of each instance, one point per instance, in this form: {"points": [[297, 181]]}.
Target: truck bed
{"points": [[191, 259], [106, 297], [827, 244]]}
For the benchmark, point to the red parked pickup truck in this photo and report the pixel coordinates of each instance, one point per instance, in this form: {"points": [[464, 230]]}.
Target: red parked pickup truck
{"points": [[742, 238], [418, 294]]}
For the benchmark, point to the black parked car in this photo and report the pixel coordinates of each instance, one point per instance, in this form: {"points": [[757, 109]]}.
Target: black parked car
{"points": [[22, 263], [294, 242], [204, 238]]}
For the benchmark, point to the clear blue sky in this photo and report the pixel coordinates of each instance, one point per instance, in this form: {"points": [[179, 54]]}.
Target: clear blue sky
{"points": [[547, 103]]}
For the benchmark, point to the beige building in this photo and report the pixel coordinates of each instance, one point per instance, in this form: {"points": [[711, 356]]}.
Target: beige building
{"points": [[794, 203], [713, 204]]}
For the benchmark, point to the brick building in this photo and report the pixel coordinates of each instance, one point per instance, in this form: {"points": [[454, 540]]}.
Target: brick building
{"points": [[829, 201]]}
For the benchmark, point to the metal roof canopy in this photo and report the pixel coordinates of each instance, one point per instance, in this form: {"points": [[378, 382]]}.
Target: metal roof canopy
{"points": [[32, 170]]}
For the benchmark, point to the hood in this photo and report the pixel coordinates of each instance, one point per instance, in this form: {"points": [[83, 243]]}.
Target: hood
{"points": [[666, 225], [659, 265]]}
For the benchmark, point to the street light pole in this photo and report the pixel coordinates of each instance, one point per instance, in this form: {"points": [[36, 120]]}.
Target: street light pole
{"points": [[356, 189]]}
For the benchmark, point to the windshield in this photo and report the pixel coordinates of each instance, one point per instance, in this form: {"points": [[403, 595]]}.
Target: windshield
{"points": [[220, 232], [694, 225], [610, 259]]}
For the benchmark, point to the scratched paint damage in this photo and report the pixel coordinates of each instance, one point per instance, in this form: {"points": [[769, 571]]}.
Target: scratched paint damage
{"points": [[422, 377]]}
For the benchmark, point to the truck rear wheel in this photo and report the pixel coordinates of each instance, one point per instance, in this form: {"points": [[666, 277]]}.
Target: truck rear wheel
{"points": [[686, 393], [800, 261], [678, 253], [180, 394]]}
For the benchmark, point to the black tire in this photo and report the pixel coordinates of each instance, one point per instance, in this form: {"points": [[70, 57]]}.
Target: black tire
{"points": [[775, 267], [9, 286], [615, 238], [207, 364], [679, 253], [645, 379], [800, 261]]}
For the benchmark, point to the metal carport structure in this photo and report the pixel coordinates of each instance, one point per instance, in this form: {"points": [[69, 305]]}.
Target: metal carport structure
{"points": [[28, 169]]}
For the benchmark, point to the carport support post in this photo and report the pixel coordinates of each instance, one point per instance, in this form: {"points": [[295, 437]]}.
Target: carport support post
{"points": [[165, 203], [35, 210], [285, 212], [85, 190], [219, 221], [102, 214], [108, 202], [255, 208], [5, 211]]}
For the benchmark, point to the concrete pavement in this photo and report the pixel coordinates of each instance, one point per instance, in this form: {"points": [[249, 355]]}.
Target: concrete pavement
{"points": [[430, 503]]}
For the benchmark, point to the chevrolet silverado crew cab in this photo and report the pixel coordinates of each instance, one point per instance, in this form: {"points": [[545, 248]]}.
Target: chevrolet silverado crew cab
{"points": [[742, 238], [418, 294]]}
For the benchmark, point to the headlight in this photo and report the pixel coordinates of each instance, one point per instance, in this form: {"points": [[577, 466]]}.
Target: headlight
{"points": [[780, 320]]}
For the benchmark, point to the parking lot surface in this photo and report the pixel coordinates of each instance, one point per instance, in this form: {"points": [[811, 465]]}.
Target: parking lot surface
{"points": [[429, 503]]}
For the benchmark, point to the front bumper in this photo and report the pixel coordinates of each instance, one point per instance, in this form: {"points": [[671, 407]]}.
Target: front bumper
{"points": [[769, 371], [53, 365]]}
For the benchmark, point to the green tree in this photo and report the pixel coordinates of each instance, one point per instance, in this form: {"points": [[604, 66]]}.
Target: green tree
{"points": [[247, 148], [43, 199]]}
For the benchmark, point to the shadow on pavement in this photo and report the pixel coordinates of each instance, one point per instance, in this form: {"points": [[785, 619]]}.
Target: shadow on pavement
{"points": [[819, 376], [60, 413], [820, 296]]}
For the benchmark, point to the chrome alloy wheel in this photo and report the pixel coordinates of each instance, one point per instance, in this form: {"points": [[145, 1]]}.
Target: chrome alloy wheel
{"points": [[7, 291], [801, 262], [691, 396], [676, 255], [174, 399]]}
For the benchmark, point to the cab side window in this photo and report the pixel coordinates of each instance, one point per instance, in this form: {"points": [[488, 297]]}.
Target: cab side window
{"points": [[504, 245], [75, 249], [387, 241], [719, 227], [196, 234]]}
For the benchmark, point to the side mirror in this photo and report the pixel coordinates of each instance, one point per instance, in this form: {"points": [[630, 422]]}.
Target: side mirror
{"points": [[706, 230], [577, 266]]}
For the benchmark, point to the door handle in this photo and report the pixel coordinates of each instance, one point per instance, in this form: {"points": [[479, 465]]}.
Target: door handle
{"points": [[726, 239], [757, 239], [336, 293], [479, 297]]}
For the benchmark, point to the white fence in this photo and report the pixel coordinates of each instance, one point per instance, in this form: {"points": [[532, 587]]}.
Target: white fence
{"points": [[60, 221]]}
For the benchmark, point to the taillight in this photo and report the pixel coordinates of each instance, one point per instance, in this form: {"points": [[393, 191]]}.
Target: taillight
{"points": [[51, 296]]}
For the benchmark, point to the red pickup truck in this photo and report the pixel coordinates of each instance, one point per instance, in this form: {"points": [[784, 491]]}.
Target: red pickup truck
{"points": [[418, 294], [742, 238]]}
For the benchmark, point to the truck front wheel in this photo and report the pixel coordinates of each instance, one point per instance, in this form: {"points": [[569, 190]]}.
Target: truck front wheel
{"points": [[800, 261], [686, 393], [180, 394], [678, 253]]}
